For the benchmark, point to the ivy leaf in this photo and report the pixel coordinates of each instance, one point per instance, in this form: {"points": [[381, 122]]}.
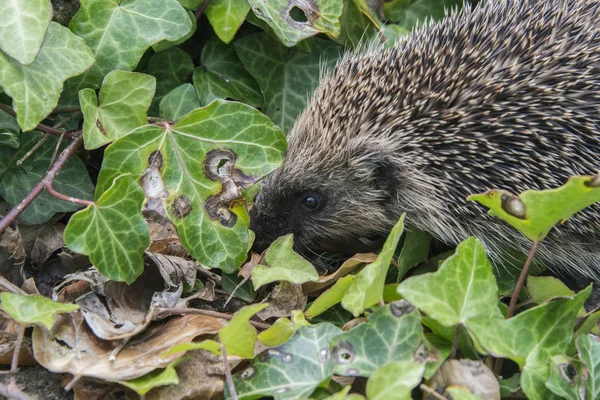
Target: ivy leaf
{"points": [[330, 297], [9, 131], [393, 333], [286, 76], [355, 26], [178, 102], [395, 380], [414, 13], [367, 288], [544, 288], [589, 353], [283, 265], [282, 329], [197, 204], [112, 231], [461, 393], [294, 21], [531, 338], [414, 251], [222, 76], [33, 308], [158, 377], [123, 101], [292, 370], [226, 17], [535, 212], [463, 288], [120, 32], [35, 88], [208, 344], [168, 44], [24, 24], [171, 68], [563, 381], [239, 337], [17, 180]]}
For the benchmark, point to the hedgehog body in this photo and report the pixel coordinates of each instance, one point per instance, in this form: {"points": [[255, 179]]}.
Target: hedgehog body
{"points": [[503, 95]]}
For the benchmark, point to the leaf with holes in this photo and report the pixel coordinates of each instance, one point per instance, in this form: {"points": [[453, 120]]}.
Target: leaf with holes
{"points": [[226, 17], [283, 264], [589, 352], [178, 102], [535, 212], [367, 288], [23, 27], [463, 288], [286, 76], [171, 68], [35, 88], [112, 231], [222, 76], [16, 180], [393, 333], [200, 163], [120, 107], [120, 32], [531, 338], [33, 308], [295, 20], [292, 370]]}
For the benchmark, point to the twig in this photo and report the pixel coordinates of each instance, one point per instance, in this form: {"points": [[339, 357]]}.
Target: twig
{"points": [[76, 114], [521, 281], [14, 213], [15, 358], [64, 197], [32, 150], [432, 392], [201, 9], [13, 393], [163, 312], [44, 128], [7, 286], [56, 148], [455, 342], [65, 110], [232, 295], [228, 376]]}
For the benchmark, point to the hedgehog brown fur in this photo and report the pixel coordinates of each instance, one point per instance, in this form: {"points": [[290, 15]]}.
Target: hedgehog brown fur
{"points": [[504, 95]]}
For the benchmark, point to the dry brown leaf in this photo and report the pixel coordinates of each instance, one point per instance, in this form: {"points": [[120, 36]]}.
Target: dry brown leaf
{"points": [[474, 375], [12, 253], [246, 269], [348, 266], [174, 270], [72, 348], [284, 298], [49, 239], [164, 239]]}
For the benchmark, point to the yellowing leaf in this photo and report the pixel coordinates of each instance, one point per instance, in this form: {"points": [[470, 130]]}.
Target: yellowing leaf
{"points": [[239, 336]]}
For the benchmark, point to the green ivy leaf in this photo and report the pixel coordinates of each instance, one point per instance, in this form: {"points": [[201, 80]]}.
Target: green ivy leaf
{"points": [[330, 297], [33, 308], [178, 102], [120, 107], [112, 232], [544, 288], [531, 338], [589, 352], [410, 14], [222, 76], [230, 130], [561, 382], [168, 44], [395, 381], [120, 32], [286, 76], [535, 212], [355, 26], [367, 288], [461, 393], [208, 345], [414, 251], [294, 21], [158, 377], [24, 24], [393, 333], [9, 131], [463, 288], [292, 370], [226, 17], [35, 88], [230, 283], [17, 180], [171, 68], [283, 265], [239, 337]]}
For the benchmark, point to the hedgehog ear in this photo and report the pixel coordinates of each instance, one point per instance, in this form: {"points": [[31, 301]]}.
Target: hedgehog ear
{"points": [[384, 177]]}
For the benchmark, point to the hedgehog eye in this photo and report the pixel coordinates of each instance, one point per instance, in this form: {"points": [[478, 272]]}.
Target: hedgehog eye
{"points": [[312, 202]]}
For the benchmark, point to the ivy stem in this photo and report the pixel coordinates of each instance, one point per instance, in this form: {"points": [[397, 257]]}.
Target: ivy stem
{"points": [[44, 183], [455, 342], [228, 376], [32, 150], [70, 199], [201, 9], [44, 128], [521, 281]]}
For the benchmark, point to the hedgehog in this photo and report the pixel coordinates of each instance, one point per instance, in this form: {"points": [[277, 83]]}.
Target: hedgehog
{"points": [[505, 95]]}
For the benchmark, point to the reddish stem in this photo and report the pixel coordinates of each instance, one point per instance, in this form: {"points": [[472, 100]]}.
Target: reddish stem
{"points": [[455, 342], [70, 199], [46, 181], [44, 128], [201, 9]]}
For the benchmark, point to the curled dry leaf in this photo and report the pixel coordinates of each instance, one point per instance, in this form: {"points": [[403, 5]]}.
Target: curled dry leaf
{"points": [[348, 266], [474, 375], [49, 239], [284, 298], [164, 239], [174, 270], [71, 347]]}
